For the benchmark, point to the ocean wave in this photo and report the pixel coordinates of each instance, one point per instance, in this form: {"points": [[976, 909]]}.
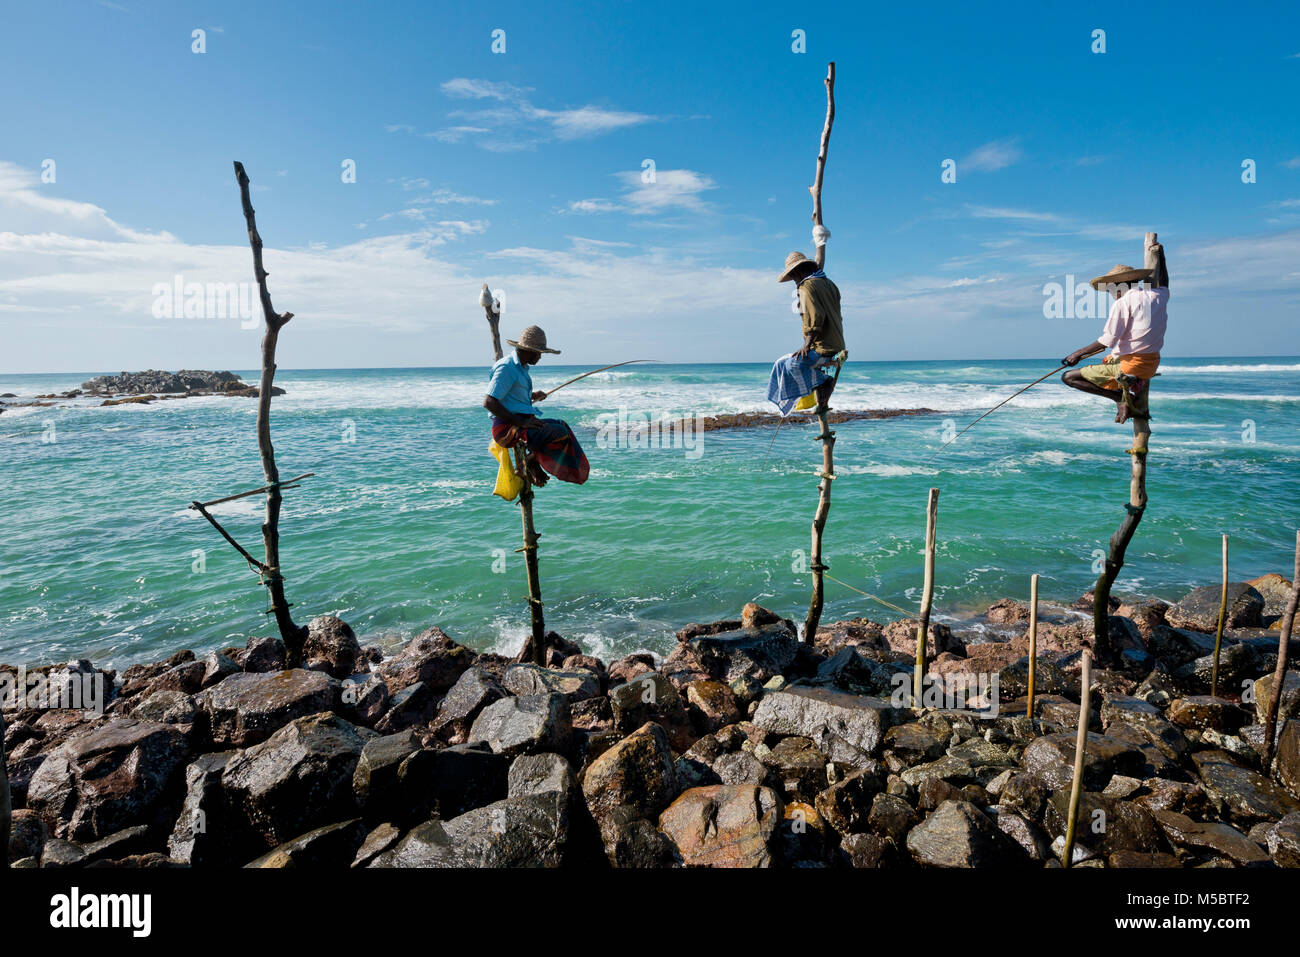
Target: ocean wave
{"points": [[1261, 367]]}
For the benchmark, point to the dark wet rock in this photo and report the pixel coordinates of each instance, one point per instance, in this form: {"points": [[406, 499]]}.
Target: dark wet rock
{"points": [[247, 708], [473, 691], [854, 633], [27, 835], [375, 778], [958, 834], [116, 774], [847, 728], [330, 847], [331, 643], [1104, 824], [985, 759], [651, 697], [1182, 796], [634, 779], [1051, 759], [58, 853], [633, 666], [900, 636], [725, 826], [758, 653], [364, 699], [892, 817], [915, 743], [1145, 615], [1283, 841], [1220, 838], [852, 671], [806, 840], [1202, 711], [1238, 663], [711, 705], [431, 658], [1287, 759], [201, 833], [382, 838], [947, 768], [1238, 793], [514, 726], [261, 655], [846, 805], [798, 765], [1199, 609], [217, 668], [446, 782], [1024, 832], [1135, 859], [300, 777], [592, 716], [744, 767], [165, 707], [540, 774], [414, 704], [1263, 693], [584, 662], [868, 850], [129, 841], [1013, 679], [186, 678], [158, 381], [528, 831], [529, 679]]}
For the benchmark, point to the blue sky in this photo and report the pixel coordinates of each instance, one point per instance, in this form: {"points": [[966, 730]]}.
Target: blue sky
{"points": [[523, 169]]}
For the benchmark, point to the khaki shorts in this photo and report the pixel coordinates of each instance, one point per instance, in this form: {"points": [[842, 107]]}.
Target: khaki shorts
{"points": [[1105, 374]]}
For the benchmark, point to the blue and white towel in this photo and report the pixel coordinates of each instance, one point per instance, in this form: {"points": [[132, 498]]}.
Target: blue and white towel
{"points": [[793, 377]]}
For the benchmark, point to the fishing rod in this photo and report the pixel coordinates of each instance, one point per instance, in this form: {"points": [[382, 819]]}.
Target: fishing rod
{"points": [[1063, 365], [593, 372], [901, 611]]}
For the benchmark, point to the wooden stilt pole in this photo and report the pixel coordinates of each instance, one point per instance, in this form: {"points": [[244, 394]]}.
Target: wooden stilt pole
{"points": [[1279, 673], [827, 437], [927, 597], [1223, 614], [1033, 645], [1080, 748]]}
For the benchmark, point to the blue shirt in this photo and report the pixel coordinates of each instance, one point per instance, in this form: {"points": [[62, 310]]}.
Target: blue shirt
{"points": [[512, 386]]}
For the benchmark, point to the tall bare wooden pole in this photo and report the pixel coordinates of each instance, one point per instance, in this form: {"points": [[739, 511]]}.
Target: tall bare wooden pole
{"points": [[293, 635], [927, 597], [1223, 615], [486, 300], [827, 437], [1279, 673]]}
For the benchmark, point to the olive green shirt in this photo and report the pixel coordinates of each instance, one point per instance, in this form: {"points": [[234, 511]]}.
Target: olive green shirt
{"points": [[819, 302]]}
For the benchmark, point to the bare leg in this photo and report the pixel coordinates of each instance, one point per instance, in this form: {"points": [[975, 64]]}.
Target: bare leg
{"points": [[824, 392], [1075, 380]]}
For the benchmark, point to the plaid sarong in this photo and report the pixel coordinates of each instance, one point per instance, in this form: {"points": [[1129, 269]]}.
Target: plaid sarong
{"points": [[793, 377], [554, 444]]}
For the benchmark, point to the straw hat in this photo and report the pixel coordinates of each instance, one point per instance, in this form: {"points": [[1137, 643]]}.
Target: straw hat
{"points": [[532, 339], [792, 263], [1120, 274]]}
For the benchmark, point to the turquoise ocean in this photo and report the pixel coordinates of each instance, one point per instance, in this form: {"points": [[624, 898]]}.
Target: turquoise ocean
{"points": [[399, 530]]}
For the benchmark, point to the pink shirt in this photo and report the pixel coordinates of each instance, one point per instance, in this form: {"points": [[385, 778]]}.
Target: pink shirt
{"points": [[1137, 323]]}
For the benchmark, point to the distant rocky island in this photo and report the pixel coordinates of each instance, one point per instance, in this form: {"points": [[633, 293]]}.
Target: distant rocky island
{"points": [[153, 385]]}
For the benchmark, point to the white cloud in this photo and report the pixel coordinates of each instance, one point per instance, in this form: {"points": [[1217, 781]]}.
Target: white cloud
{"points": [[992, 156]]}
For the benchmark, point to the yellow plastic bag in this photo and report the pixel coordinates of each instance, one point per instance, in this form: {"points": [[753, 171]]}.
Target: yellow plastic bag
{"points": [[509, 484], [807, 402]]}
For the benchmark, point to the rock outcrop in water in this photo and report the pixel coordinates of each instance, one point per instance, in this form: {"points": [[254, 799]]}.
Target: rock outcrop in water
{"points": [[153, 384], [742, 748]]}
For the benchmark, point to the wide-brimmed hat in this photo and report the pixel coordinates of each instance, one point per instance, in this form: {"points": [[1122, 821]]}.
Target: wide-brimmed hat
{"points": [[1120, 274], [534, 340], [793, 262]]}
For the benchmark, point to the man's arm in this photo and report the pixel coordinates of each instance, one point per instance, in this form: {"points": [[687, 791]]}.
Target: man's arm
{"points": [[1074, 357], [493, 405], [1160, 278]]}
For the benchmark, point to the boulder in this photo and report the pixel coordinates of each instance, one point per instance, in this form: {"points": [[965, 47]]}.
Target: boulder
{"points": [[364, 699], [711, 705], [412, 705], [633, 780], [868, 850], [1239, 664], [798, 765], [1007, 611], [758, 653], [331, 847], [200, 836], [447, 782], [915, 742], [1276, 592], [1202, 712], [540, 774], [724, 826], [217, 668], [375, 778], [431, 658], [165, 707], [331, 646], [473, 691], [846, 805], [847, 728], [261, 655], [1283, 841], [300, 777], [1222, 839], [892, 817], [1287, 758], [958, 834], [118, 773], [529, 679], [900, 636], [247, 708], [1199, 609], [514, 726], [527, 831], [27, 835], [1051, 759], [1263, 691], [651, 697], [1238, 793]]}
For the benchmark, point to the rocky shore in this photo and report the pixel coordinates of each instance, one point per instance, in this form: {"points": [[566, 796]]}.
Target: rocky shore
{"points": [[744, 747], [754, 420], [142, 388]]}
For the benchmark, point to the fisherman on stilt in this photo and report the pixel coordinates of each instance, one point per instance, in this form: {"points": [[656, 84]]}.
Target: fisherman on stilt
{"points": [[550, 443], [812, 368], [1135, 333]]}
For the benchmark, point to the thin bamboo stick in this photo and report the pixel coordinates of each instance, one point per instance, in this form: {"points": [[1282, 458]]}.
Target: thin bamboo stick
{"points": [[1279, 673], [1223, 614], [1033, 644], [1080, 749], [927, 597]]}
